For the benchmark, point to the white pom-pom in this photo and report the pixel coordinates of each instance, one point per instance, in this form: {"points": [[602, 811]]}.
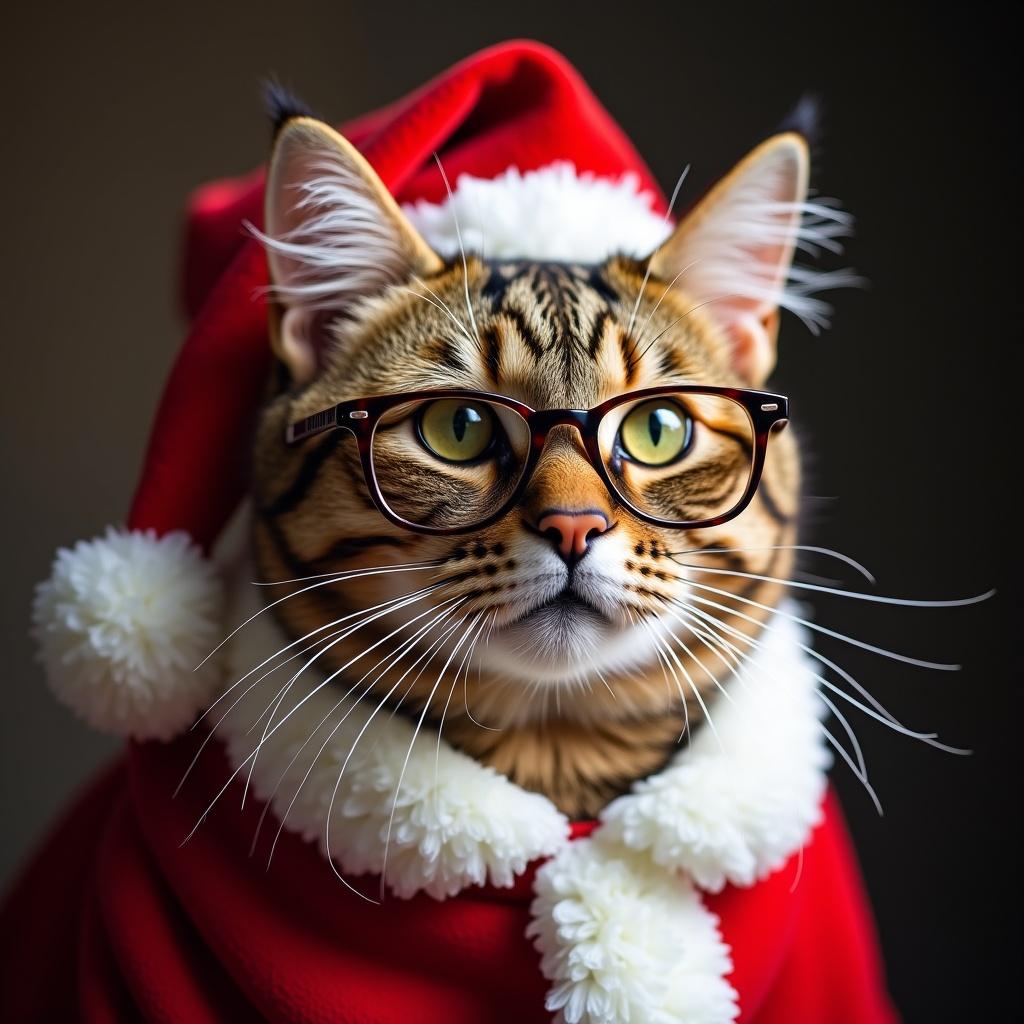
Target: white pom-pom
{"points": [[622, 940], [121, 625]]}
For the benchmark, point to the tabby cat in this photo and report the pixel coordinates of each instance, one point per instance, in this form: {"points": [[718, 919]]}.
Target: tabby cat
{"points": [[593, 639]]}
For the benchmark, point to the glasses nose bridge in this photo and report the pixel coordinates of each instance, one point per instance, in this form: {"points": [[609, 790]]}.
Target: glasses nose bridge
{"points": [[544, 421]]}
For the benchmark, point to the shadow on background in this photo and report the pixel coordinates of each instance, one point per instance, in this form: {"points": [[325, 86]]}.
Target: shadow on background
{"points": [[909, 407]]}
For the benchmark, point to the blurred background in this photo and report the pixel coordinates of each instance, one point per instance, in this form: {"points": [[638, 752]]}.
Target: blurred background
{"points": [[909, 406]]}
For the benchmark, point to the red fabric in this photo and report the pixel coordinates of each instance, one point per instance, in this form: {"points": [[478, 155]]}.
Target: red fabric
{"points": [[517, 104], [117, 921]]}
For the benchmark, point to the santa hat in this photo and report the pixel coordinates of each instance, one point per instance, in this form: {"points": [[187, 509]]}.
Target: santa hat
{"points": [[125, 618]]}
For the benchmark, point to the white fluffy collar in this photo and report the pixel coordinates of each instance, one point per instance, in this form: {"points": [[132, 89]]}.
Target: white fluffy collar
{"points": [[611, 912]]}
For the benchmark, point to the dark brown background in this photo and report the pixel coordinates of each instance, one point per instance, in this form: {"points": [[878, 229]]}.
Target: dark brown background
{"points": [[909, 405]]}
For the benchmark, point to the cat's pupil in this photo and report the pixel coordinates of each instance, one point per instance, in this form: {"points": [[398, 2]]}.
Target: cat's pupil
{"points": [[464, 415], [654, 425]]}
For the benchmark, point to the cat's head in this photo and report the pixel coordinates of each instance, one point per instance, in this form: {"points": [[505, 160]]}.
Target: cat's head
{"points": [[568, 593]]}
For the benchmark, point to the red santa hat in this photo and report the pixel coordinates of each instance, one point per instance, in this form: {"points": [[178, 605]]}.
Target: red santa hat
{"points": [[124, 618]]}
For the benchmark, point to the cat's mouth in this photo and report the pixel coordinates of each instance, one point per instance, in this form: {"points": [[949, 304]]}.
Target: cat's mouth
{"points": [[553, 641], [560, 611]]}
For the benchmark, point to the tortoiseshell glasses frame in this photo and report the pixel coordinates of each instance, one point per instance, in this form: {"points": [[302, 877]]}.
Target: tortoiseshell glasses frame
{"points": [[361, 417]]}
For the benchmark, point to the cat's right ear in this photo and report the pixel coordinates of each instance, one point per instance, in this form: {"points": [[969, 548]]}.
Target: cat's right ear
{"points": [[334, 236]]}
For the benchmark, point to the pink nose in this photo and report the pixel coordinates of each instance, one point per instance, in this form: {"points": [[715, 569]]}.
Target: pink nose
{"points": [[572, 531]]}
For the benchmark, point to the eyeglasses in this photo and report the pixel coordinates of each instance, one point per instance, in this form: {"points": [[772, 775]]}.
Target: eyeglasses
{"points": [[451, 461]]}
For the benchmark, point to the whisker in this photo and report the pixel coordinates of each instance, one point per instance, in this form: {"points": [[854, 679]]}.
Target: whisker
{"points": [[392, 659], [859, 770], [657, 305], [408, 753], [740, 658], [431, 588], [463, 665], [371, 568], [647, 271], [672, 654], [692, 309], [355, 743], [390, 605], [341, 578], [316, 689], [479, 675], [810, 548], [462, 250], [441, 305], [854, 595], [825, 631], [888, 720]]}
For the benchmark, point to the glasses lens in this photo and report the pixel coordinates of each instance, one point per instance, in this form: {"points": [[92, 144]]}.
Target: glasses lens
{"points": [[680, 457], [449, 463]]}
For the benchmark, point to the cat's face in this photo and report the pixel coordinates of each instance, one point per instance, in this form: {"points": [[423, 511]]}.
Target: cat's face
{"points": [[571, 605]]}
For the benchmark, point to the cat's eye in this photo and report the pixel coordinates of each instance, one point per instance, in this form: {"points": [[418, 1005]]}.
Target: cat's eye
{"points": [[656, 433], [456, 430]]}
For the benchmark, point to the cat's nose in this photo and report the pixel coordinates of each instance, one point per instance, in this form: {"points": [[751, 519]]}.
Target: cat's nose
{"points": [[572, 532]]}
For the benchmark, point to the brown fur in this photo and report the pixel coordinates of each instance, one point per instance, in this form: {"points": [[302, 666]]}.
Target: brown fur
{"points": [[551, 336]]}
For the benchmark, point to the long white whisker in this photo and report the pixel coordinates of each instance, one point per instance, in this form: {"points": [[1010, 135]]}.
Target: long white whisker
{"points": [[441, 306], [851, 594], [886, 719], [829, 552], [740, 657], [647, 271], [342, 572], [392, 659], [396, 601], [408, 753], [462, 666], [342, 578], [479, 673], [811, 652], [396, 655], [860, 769], [824, 630], [696, 692], [462, 250], [428, 654], [308, 696], [393, 604]]}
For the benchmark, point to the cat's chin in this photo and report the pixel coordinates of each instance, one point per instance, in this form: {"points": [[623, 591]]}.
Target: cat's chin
{"points": [[562, 642]]}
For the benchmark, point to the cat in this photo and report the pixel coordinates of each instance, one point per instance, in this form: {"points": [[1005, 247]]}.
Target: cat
{"points": [[599, 641]]}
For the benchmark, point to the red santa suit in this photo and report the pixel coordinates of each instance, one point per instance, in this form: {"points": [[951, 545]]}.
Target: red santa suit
{"points": [[435, 890]]}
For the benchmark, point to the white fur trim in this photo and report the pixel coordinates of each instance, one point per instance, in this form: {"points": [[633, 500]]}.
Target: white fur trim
{"points": [[624, 941], [736, 812], [618, 919], [122, 623], [554, 213], [456, 822]]}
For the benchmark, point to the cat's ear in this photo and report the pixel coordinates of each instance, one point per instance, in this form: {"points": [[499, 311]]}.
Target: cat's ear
{"points": [[334, 236], [733, 251]]}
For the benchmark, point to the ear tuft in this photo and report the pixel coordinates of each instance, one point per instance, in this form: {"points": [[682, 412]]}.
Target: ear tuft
{"points": [[334, 237], [733, 253], [805, 119], [282, 105]]}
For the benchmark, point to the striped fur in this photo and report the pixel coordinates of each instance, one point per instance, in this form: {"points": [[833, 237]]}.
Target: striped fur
{"points": [[573, 700], [552, 336]]}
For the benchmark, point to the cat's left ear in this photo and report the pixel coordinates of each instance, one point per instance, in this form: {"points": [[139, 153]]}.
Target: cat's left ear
{"points": [[334, 237], [733, 251]]}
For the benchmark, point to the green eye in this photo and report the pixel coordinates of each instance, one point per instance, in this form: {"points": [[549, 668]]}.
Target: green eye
{"points": [[656, 432], [456, 430]]}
